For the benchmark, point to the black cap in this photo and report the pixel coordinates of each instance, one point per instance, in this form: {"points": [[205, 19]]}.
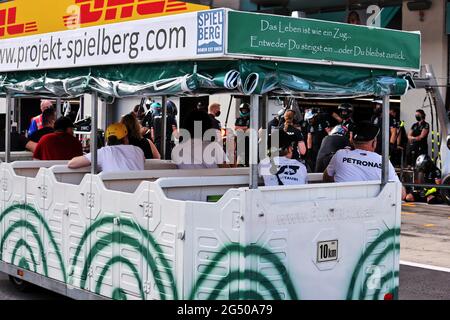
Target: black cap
{"points": [[365, 131], [63, 123], [285, 140]]}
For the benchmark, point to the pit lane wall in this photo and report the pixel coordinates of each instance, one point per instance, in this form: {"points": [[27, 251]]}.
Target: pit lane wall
{"points": [[165, 241]]}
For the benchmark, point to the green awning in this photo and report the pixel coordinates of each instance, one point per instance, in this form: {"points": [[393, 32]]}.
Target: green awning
{"points": [[205, 77]]}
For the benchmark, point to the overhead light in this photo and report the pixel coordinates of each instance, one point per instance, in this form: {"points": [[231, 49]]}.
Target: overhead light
{"points": [[419, 5]]}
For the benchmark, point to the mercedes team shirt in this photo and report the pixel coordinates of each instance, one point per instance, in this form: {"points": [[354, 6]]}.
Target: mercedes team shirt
{"points": [[357, 165]]}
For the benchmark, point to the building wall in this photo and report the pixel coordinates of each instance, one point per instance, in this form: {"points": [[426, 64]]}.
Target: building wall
{"points": [[434, 52]]}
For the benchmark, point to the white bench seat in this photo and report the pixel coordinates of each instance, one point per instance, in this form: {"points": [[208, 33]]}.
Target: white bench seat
{"points": [[31, 168]]}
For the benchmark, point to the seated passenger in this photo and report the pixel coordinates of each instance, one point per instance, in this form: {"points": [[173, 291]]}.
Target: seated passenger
{"points": [[198, 152], [60, 145], [36, 122], [48, 122], [118, 155], [135, 138], [280, 168], [361, 164]]}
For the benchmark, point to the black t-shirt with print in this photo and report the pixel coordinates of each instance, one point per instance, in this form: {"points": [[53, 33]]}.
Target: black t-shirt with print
{"points": [[318, 132], [297, 137]]}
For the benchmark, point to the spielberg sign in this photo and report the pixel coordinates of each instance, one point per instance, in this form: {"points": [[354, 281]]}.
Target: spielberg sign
{"points": [[210, 29]]}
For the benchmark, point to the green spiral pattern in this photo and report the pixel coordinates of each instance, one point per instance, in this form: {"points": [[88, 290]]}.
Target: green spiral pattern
{"points": [[153, 256]]}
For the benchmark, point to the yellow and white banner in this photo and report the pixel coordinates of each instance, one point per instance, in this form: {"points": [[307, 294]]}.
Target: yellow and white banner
{"points": [[170, 38], [20, 18]]}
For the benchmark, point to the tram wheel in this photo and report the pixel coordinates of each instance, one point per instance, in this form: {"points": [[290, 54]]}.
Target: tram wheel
{"points": [[20, 284]]}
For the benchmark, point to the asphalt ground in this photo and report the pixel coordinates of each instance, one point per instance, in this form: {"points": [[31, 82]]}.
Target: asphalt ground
{"points": [[9, 292], [424, 254], [425, 234]]}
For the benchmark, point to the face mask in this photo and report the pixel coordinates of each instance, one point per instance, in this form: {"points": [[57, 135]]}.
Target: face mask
{"points": [[218, 114], [418, 117], [244, 114], [345, 115]]}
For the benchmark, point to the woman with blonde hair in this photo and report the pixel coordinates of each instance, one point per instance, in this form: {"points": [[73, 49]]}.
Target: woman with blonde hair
{"points": [[135, 137], [295, 133]]}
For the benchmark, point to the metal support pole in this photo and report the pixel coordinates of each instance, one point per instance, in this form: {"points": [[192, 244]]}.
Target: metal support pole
{"points": [[264, 115], [254, 126], [19, 116], [164, 128], [385, 142], [8, 128], [59, 113], [265, 120], [94, 131]]}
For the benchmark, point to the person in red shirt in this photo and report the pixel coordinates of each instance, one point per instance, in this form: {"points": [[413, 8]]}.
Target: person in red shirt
{"points": [[60, 145]]}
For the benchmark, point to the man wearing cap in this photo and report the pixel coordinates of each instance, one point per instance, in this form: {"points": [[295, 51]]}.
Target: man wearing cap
{"points": [[280, 169], [36, 122], [60, 145], [362, 163], [117, 156]]}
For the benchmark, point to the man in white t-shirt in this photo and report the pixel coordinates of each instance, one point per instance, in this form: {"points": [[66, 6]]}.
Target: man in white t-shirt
{"points": [[198, 151], [361, 164], [117, 156], [199, 154], [280, 169]]}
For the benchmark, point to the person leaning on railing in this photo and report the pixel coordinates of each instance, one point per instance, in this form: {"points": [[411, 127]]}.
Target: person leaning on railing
{"points": [[279, 168], [362, 163], [117, 156], [59, 145]]}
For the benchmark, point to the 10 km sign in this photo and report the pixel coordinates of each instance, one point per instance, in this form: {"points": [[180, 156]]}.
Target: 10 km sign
{"points": [[327, 251]]}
